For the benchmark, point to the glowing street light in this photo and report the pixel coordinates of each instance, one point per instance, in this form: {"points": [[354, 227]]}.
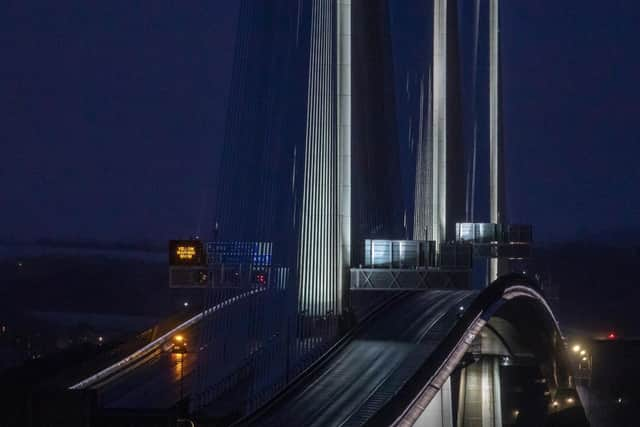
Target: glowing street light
{"points": [[576, 348], [180, 348], [583, 352]]}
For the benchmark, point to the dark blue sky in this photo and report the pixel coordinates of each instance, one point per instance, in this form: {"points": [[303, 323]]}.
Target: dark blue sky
{"points": [[112, 113], [571, 113]]}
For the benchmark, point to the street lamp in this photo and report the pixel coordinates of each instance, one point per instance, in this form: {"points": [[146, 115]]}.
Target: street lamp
{"points": [[180, 347], [583, 360]]}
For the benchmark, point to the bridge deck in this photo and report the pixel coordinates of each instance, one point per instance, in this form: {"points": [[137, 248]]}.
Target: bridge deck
{"points": [[152, 377], [357, 381], [154, 382]]}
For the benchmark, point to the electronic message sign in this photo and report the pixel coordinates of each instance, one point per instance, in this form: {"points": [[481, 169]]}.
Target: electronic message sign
{"points": [[254, 253], [186, 252]]}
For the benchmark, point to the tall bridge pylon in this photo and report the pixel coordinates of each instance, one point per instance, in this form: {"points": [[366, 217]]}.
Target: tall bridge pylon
{"points": [[311, 160]]}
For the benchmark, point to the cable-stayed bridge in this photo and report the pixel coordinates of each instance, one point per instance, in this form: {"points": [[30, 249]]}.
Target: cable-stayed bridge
{"points": [[331, 297]]}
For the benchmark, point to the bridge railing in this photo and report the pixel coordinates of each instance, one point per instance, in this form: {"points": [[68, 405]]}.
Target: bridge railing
{"points": [[260, 343], [405, 278]]}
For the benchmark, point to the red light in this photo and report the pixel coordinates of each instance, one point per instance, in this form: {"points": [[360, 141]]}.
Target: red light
{"points": [[612, 336]]}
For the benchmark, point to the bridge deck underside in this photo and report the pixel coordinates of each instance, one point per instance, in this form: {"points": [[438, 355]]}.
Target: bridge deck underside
{"points": [[368, 371]]}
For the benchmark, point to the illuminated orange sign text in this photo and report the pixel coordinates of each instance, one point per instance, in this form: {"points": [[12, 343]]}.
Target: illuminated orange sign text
{"points": [[185, 252]]}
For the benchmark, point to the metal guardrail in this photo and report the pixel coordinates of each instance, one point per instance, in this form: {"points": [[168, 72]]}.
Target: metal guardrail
{"points": [[250, 341], [405, 279]]}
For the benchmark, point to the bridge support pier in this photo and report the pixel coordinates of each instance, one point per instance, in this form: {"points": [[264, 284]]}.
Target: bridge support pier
{"points": [[439, 413], [480, 394]]}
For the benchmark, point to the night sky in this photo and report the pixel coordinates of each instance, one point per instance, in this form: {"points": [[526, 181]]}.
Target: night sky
{"points": [[112, 116]]}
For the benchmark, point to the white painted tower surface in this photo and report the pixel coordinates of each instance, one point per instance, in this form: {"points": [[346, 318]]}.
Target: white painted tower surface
{"points": [[494, 125], [439, 156], [344, 143], [423, 190], [319, 266]]}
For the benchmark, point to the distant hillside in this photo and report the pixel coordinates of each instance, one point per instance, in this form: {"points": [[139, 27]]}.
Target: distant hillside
{"points": [[84, 284], [144, 246]]}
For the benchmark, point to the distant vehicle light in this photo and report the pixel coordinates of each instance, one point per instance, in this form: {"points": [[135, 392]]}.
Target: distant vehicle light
{"points": [[261, 279], [612, 336], [180, 345]]}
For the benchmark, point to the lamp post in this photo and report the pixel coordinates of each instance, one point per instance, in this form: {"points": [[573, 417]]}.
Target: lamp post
{"points": [[180, 348], [584, 363]]}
